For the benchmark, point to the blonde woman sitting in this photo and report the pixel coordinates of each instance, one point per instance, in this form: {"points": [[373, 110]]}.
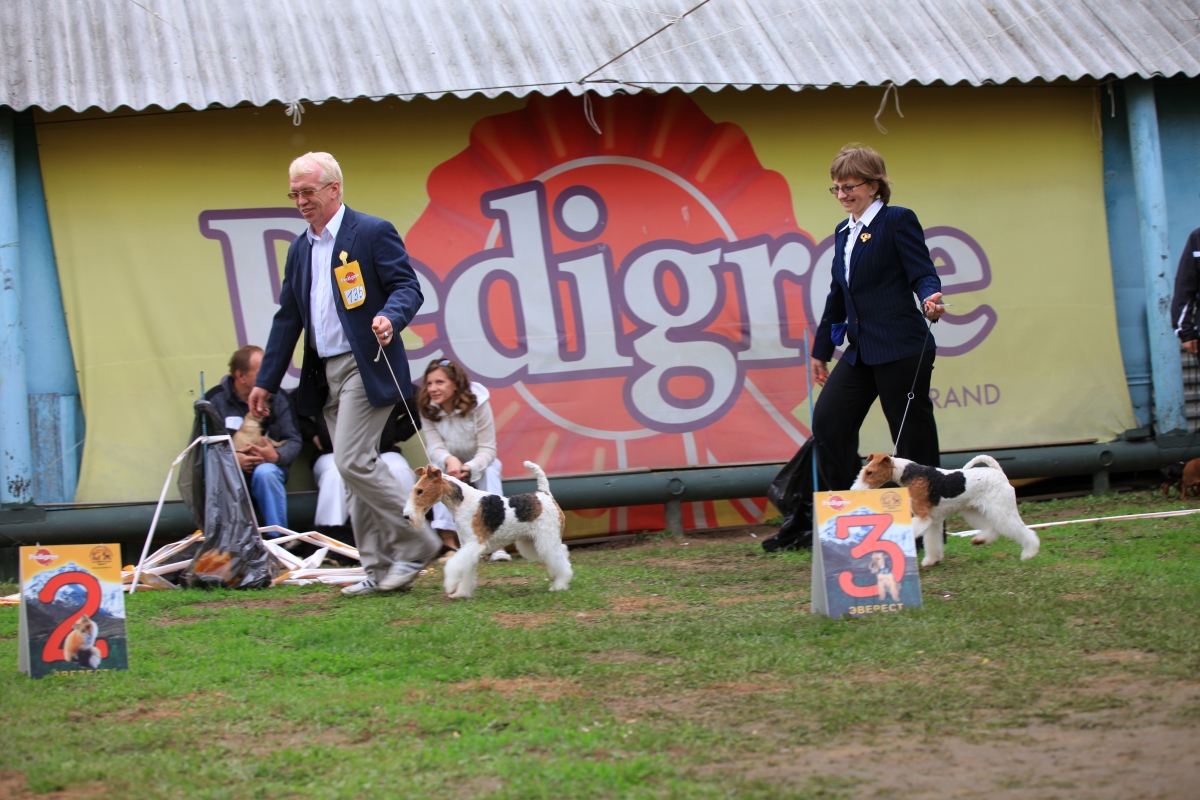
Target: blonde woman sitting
{"points": [[460, 433]]}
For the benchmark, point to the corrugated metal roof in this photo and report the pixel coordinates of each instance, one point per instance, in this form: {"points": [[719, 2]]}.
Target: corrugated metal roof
{"points": [[137, 53]]}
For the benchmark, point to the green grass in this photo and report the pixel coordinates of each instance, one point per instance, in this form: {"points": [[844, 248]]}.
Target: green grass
{"points": [[666, 671]]}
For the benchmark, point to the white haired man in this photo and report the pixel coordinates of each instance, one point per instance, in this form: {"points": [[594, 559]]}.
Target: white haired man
{"points": [[349, 287]]}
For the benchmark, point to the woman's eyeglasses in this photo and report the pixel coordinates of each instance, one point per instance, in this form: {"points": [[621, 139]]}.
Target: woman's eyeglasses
{"points": [[848, 188]]}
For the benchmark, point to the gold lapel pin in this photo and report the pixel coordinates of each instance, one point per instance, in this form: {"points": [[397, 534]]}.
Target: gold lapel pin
{"points": [[864, 237], [344, 255]]}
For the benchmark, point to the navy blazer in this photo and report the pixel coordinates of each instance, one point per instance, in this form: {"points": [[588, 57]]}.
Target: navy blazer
{"points": [[883, 321], [392, 291]]}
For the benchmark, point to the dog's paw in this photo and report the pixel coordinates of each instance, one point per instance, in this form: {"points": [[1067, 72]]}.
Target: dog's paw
{"points": [[554, 587], [978, 540], [929, 561]]}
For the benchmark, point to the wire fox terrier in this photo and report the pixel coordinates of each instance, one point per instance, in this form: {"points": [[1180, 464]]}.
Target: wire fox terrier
{"points": [[533, 521], [983, 497]]}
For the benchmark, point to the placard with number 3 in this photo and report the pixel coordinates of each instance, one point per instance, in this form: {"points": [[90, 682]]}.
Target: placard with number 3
{"points": [[865, 557]]}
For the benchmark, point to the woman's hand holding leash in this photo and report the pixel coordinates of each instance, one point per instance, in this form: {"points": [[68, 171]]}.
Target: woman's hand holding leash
{"points": [[933, 308]]}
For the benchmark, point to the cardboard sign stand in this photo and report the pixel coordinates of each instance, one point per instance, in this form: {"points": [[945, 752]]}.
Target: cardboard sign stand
{"points": [[864, 554], [72, 610]]}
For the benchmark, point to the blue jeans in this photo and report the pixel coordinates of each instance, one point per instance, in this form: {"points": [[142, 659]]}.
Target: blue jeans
{"points": [[266, 484]]}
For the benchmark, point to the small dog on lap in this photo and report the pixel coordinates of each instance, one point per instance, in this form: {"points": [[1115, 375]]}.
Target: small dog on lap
{"points": [[532, 521], [983, 497]]}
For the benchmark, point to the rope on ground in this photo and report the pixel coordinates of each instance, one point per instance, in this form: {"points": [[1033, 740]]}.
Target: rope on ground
{"points": [[1155, 515]]}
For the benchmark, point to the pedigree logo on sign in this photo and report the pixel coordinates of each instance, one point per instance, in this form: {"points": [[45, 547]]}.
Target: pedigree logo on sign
{"points": [[636, 297]]}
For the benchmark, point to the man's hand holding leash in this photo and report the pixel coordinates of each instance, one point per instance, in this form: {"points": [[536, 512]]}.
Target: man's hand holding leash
{"points": [[382, 327]]}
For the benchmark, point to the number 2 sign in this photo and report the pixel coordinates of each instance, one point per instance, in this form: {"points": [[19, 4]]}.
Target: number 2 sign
{"points": [[72, 610]]}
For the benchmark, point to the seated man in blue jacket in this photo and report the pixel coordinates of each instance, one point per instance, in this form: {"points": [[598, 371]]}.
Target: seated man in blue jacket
{"points": [[266, 465]]}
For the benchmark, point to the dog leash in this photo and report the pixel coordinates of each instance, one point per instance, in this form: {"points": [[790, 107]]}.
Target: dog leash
{"points": [[912, 392], [420, 438]]}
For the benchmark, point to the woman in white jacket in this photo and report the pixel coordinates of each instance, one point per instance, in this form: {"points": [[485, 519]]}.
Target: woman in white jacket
{"points": [[460, 433]]}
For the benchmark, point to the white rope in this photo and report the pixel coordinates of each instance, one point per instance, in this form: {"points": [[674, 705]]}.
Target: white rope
{"points": [[420, 438], [587, 112], [671, 18], [1155, 515], [294, 110], [891, 87]]}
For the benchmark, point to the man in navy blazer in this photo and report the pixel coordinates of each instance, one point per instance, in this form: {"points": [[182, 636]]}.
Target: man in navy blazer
{"points": [[349, 287], [881, 265]]}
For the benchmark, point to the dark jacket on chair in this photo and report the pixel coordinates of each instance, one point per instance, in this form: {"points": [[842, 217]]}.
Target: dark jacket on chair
{"points": [[883, 320]]}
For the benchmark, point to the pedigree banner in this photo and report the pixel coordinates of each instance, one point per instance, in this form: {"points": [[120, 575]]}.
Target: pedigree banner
{"points": [[636, 297]]}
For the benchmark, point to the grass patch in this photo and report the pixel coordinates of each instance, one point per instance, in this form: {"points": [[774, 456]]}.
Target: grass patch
{"points": [[667, 671]]}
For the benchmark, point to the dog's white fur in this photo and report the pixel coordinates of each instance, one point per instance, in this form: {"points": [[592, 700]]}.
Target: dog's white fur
{"points": [[989, 503], [539, 539]]}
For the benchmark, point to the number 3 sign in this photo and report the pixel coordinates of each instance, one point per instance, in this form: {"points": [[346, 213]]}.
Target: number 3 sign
{"points": [[864, 543]]}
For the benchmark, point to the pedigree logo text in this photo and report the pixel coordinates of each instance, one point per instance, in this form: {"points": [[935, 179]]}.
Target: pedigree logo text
{"points": [[637, 297]]}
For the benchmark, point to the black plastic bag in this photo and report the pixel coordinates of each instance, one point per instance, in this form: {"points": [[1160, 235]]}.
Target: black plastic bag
{"points": [[791, 492], [213, 489], [191, 471]]}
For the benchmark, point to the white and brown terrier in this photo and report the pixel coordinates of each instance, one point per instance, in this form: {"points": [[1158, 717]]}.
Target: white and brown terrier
{"points": [[983, 497], [533, 521]]}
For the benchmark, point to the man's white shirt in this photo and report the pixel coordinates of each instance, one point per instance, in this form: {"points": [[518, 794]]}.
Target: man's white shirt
{"points": [[856, 229], [328, 336]]}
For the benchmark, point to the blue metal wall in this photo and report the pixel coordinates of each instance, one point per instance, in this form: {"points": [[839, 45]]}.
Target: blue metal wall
{"points": [[1178, 104]]}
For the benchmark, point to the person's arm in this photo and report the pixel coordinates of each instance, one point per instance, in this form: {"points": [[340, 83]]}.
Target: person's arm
{"points": [[823, 346], [1183, 301], [284, 428], [485, 440], [399, 281], [436, 445], [918, 266], [286, 328]]}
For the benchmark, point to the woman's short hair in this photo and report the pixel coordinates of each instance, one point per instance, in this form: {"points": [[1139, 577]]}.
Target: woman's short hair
{"points": [[241, 358], [859, 161], [324, 164], [464, 398]]}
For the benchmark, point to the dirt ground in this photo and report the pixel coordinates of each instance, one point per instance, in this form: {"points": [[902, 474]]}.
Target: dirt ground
{"points": [[1142, 751]]}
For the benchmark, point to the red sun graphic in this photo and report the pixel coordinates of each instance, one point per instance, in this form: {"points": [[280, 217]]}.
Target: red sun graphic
{"points": [[633, 298]]}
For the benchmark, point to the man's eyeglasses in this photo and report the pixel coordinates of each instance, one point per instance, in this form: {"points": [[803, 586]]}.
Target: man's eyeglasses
{"points": [[848, 188], [306, 193]]}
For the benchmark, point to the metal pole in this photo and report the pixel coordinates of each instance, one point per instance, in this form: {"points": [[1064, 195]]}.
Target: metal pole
{"points": [[52, 384], [16, 487], [1157, 270]]}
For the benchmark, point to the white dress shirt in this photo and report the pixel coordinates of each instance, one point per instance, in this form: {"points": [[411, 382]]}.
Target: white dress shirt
{"points": [[856, 229], [327, 333]]}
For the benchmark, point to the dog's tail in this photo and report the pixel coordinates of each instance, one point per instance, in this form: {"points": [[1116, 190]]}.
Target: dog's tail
{"points": [[988, 460], [543, 484]]}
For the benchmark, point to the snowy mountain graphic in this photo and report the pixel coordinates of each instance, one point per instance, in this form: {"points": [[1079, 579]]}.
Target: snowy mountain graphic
{"points": [[898, 533], [73, 596]]}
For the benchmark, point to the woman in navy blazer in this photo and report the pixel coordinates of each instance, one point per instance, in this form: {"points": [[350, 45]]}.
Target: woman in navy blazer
{"points": [[881, 265]]}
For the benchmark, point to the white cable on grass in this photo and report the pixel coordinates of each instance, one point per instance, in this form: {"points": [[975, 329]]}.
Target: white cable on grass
{"points": [[1155, 515]]}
